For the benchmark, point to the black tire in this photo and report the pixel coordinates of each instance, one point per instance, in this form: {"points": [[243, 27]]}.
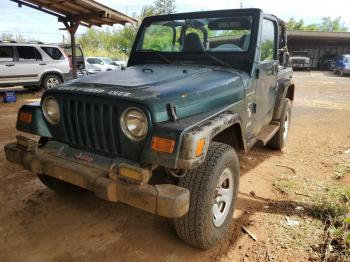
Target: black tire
{"points": [[197, 227], [58, 185], [51, 81], [279, 140]]}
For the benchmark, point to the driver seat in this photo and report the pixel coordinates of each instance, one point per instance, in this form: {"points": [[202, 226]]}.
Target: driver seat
{"points": [[192, 43]]}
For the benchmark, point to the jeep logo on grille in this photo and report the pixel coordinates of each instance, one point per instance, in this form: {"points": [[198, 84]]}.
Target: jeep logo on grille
{"points": [[85, 158]]}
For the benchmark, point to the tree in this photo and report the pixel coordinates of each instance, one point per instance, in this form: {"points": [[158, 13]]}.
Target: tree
{"points": [[164, 7], [294, 25], [327, 25]]}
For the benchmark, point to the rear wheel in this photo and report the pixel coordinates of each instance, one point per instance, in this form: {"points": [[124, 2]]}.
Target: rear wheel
{"points": [[58, 185], [213, 192], [279, 140], [51, 81]]}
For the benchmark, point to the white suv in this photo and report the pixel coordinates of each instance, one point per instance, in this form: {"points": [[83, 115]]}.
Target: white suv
{"points": [[33, 65]]}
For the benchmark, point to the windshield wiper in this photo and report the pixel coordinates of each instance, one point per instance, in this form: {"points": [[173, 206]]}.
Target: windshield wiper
{"points": [[215, 58], [158, 53]]}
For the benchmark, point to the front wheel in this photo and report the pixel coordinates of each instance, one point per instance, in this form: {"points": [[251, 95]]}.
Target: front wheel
{"points": [[213, 190], [279, 140]]}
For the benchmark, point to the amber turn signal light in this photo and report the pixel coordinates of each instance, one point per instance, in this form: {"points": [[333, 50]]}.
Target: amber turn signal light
{"points": [[200, 147], [163, 144], [25, 117]]}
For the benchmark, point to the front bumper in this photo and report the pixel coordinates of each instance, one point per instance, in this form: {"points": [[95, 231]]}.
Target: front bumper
{"points": [[163, 200], [300, 65]]}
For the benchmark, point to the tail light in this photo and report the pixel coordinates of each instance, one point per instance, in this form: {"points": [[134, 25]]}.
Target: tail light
{"points": [[68, 58]]}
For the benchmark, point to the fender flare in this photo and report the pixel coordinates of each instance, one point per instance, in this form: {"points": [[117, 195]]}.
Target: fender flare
{"points": [[285, 89], [206, 130]]}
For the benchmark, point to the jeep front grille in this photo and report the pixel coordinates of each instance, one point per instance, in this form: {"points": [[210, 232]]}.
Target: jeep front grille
{"points": [[298, 61], [89, 126]]}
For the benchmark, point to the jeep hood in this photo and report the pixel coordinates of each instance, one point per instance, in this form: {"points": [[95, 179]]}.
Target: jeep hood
{"points": [[190, 89]]}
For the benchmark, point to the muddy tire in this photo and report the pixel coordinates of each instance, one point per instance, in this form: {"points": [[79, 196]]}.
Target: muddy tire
{"points": [[279, 140], [213, 190], [51, 81], [58, 185]]}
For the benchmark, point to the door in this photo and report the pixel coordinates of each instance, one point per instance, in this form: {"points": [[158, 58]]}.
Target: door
{"points": [[8, 71], [29, 64], [266, 88]]}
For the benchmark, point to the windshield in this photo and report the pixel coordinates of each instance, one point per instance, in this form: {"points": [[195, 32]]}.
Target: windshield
{"points": [[78, 51], [222, 34], [305, 54], [107, 60], [346, 59]]}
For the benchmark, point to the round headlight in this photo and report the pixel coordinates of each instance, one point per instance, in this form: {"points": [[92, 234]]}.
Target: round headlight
{"points": [[51, 110], [134, 124]]}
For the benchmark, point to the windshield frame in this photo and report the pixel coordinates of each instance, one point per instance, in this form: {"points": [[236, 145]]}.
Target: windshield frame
{"points": [[140, 57]]}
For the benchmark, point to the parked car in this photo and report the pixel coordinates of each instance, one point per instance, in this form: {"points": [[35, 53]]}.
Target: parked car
{"points": [[325, 62], [104, 63], [33, 65], [79, 56], [121, 63], [91, 69], [342, 65], [300, 60], [331, 64], [163, 134]]}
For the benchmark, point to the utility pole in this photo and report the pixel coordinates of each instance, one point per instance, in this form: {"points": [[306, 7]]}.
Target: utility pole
{"points": [[241, 4]]}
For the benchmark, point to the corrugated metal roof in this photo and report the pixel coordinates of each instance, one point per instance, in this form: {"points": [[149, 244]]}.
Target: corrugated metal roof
{"points": [[89, 12]]}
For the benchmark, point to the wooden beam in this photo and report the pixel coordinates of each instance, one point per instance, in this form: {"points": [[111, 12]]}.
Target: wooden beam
{"points": [[85, 17]]}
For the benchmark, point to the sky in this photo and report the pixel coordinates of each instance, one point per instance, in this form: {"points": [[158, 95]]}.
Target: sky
{"points": [[33, 24]]}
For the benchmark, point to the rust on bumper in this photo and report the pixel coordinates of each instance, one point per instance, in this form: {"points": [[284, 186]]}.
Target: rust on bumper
{"points": [[164, 200]]}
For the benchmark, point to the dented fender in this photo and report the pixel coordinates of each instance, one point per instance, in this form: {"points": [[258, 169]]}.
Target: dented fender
{"points": [[187, 133], [206, 130]]}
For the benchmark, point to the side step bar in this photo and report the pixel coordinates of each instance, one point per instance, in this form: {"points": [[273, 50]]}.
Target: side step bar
{"points": [[268, 132]]}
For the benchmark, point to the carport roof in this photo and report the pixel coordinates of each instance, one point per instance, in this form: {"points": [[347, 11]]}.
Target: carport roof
{"points": [[316, 35], [87, 11]]}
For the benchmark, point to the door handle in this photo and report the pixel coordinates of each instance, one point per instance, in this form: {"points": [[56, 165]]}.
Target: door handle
{"points": [[43, 64], [10, 65]]}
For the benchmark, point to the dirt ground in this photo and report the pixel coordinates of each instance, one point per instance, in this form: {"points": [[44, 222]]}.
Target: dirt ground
{"points": [[37, 224]]}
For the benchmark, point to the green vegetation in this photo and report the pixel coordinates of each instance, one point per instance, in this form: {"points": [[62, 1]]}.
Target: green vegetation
{"points": [[327, 25], [341, 170], [332, 207]]}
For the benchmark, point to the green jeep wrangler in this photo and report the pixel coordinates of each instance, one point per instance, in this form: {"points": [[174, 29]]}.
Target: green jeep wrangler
{"points": [[163, 134]]}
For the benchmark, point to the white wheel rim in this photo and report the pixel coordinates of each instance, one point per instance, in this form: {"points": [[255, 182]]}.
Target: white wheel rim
{"points": [[286, 126], [223, 197], [52, 82]]}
